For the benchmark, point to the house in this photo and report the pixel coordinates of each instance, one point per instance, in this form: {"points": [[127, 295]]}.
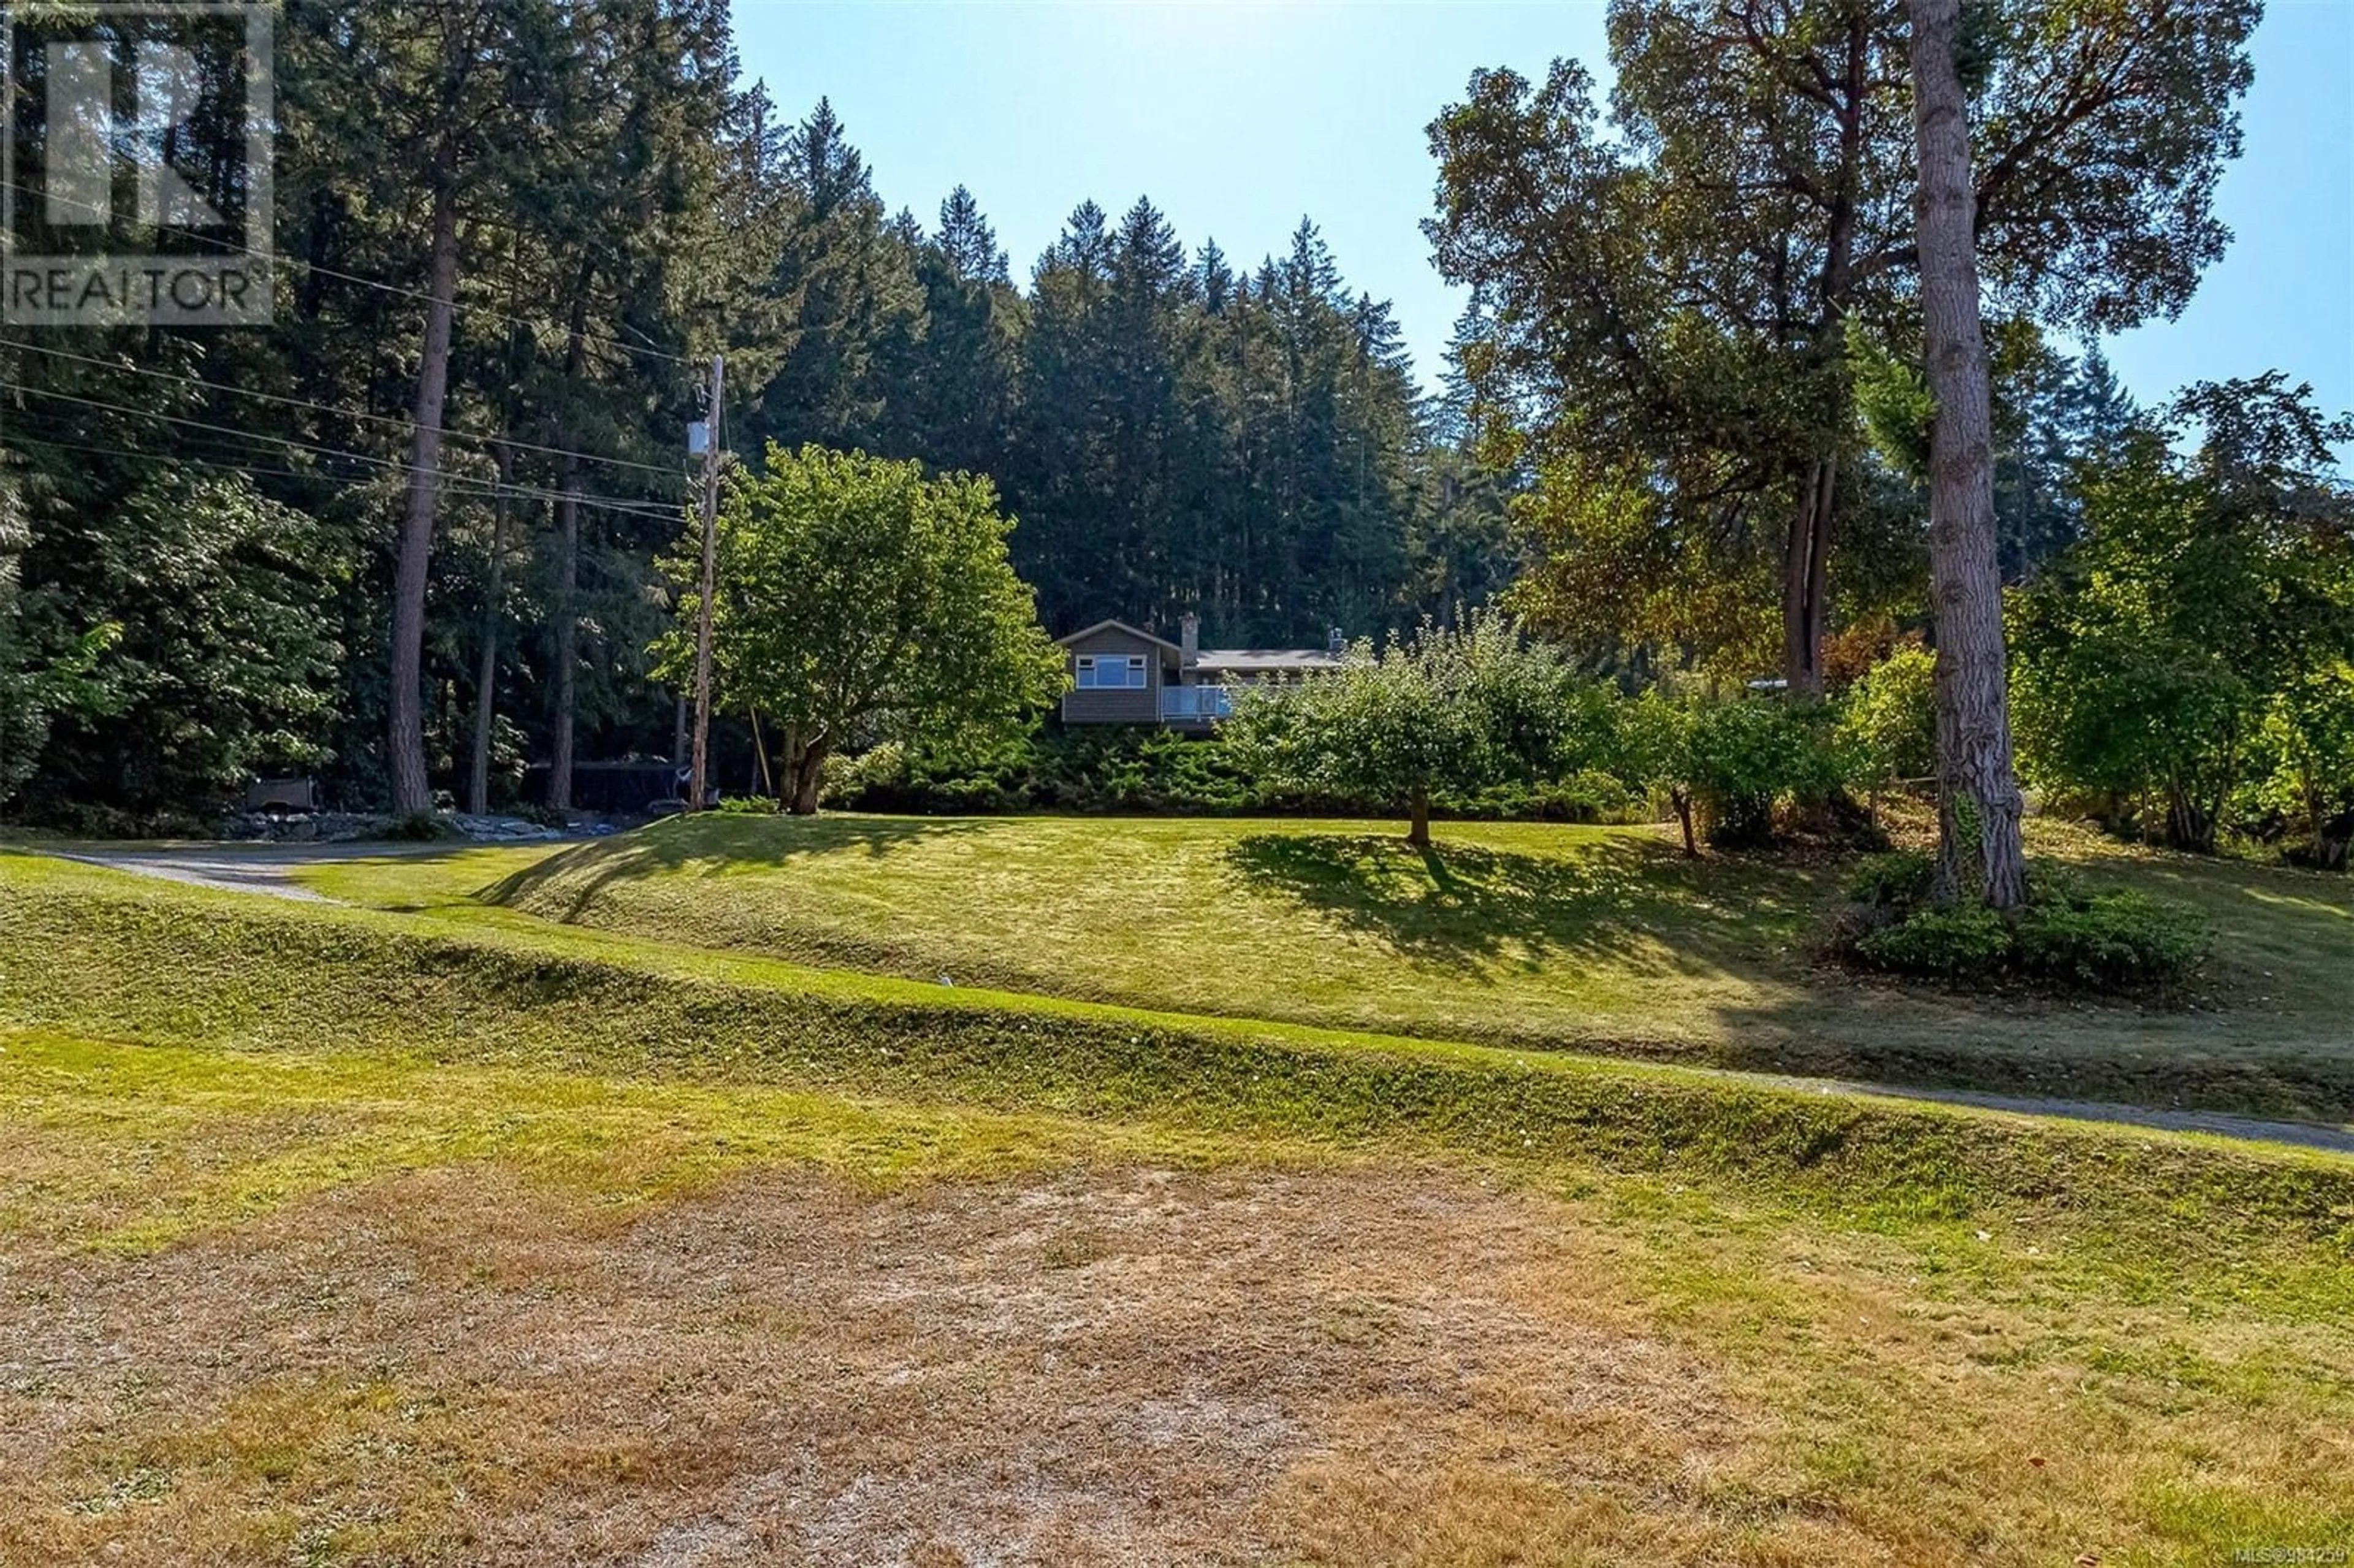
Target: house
{"points": [[1122, 675]]}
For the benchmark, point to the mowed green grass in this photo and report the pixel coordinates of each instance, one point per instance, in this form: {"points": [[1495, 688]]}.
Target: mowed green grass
{"points": [[1588, 938], [1950, 1336]]}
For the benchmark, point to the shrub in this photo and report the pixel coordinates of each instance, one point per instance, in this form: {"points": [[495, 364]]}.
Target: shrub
{"points": [[1443, 710], [1743, 758], [419, 827], [2115, 941], [2069, 936], [1900, 878], [1888, 718], [1143, 770], [1953, 943], [1589, 795]]}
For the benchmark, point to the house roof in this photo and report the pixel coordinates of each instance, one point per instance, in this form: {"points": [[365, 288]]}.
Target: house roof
{"points": [[1250, 661], [1231, 660], [1114, 624]]}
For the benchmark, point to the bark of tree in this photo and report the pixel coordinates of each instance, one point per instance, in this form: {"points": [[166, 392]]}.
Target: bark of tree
{"points": [[1805, 613], [1806, 559], [1417, 831], [803, 772], [412, 788], [1978, 801], [486, 668]]}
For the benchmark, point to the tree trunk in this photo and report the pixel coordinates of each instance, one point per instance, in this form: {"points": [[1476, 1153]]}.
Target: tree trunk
{"points": [[1684, 804], [1805, 616], [2188, 823], [1417, 831], [1979, 802], [411, 789], [486, 668], [807, 769]]}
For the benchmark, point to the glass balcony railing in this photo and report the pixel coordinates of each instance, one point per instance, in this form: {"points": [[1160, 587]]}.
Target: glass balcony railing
{"points": [[1195, 703]]}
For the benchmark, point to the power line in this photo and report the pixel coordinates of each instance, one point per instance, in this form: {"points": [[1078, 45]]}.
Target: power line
{"points": [[452, 481], [279, 258], [471, 488], [330, 408]]}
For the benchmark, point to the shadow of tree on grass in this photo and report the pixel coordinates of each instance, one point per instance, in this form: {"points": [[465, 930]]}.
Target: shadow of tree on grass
{"points": [[565, 884], [1637, 904]]}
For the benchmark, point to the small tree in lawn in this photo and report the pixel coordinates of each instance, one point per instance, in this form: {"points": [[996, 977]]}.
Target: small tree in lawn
{"points": [[1438, 710], [1725, 763], [859, 601]]}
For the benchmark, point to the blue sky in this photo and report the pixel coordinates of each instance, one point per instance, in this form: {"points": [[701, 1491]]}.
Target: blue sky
{"points": [[1237, 118]]}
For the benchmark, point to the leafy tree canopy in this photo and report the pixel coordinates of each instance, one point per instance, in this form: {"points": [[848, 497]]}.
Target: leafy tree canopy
{"points": [[1667, 284], [859, 601], [1439, 709], [2212, 599]]}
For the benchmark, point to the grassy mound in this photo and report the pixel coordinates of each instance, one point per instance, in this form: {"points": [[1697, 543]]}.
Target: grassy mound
{"points": [[511, 1239], [1561, 938], [104, 956]]}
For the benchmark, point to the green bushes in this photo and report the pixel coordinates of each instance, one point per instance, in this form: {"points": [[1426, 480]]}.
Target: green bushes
{"points": [[2069, 936], [1899, 879], [419, 827], [1733, 768], [1960, 943], [1443, 710], [1127, 771], [1110, 770], [1888, 719], [1745, 758], [2185, 670], [1728, 766], [2114, 940]]}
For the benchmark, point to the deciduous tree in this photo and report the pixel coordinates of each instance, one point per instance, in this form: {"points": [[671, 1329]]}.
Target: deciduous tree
{"points": [[1666, 291], [1439, 710], [860, 601]]}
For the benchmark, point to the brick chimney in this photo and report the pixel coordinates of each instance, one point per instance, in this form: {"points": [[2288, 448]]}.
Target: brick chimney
{"points": [[1188, 638]]}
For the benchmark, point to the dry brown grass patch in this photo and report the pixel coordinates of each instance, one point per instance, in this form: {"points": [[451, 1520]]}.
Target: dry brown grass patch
{"points": [[1105, 1366]]}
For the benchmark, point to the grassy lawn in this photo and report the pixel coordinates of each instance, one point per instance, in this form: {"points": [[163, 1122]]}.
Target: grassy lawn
{"points": [[335, 1235], [1592, 938]]}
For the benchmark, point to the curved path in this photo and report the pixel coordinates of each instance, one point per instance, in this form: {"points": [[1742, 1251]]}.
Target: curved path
{"points": [[263, 868]]}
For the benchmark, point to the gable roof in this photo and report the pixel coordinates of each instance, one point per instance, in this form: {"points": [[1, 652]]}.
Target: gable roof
{"points": [[1118, 625]]}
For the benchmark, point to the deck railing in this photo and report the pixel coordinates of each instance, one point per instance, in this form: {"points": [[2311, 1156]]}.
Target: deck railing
{"points": [[1197, 704]]}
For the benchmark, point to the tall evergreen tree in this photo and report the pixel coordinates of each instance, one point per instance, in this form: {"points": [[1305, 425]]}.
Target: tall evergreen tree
{"points": [[845, 286]]}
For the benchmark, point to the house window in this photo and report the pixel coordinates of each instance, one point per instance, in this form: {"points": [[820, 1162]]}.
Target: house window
{"points": [[1110, 671]]}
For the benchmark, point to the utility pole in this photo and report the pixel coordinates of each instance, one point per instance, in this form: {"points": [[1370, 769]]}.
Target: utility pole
{"points": [[701, 771]]}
